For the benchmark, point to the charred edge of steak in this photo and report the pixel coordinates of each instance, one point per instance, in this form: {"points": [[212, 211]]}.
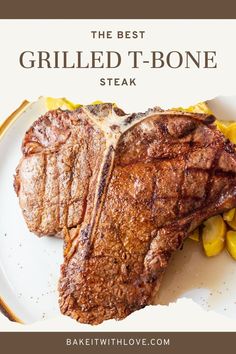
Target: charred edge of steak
{"points": [[136, 116], [205, 118]]}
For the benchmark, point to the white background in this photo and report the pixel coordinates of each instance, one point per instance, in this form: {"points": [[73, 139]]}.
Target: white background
{"points": [[165, 87]]}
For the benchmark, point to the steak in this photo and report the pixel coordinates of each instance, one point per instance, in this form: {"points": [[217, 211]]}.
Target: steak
{"points": [[124, 191], [61, 152]]}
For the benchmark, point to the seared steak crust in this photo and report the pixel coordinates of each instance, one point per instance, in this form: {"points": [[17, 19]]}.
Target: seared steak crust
{"points": [[60, 155], [143, 185]]}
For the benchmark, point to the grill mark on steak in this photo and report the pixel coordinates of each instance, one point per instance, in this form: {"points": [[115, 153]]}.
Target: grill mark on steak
{"points": [[180, 197], [58, 191], [228, 174], [149, 183], [180, 187], [44, 188], [211, 174], [88, 186], [72, 202], [70, 185]]}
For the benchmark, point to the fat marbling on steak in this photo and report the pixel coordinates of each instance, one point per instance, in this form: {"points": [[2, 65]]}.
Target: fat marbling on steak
{"points": [[125, 191]]}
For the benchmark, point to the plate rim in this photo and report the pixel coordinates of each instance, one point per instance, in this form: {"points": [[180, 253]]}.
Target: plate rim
{"points": [[4, 308]]}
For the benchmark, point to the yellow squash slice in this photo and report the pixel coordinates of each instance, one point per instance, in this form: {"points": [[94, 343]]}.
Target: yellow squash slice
{"points": [[195, 235], [231, 243], [201, 107], [55, 103], [232, 223], [229, 215], [231, 133], [64, 103], [96, 102], [213, 236], [221, 127]]}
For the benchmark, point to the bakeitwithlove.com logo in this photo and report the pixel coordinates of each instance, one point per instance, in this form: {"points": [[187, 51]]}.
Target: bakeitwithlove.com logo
{"points": [[117, 341]]}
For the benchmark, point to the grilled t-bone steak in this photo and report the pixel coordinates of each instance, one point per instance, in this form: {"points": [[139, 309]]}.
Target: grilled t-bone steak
{"points": [[125, 191]]}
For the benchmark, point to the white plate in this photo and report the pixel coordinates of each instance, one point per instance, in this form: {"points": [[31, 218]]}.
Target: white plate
{"points": [[30, 266]]}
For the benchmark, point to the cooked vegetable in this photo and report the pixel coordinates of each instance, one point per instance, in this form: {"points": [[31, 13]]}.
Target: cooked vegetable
{"points": [[221, 127], [96, 102], [195, 235], [229, 215], [232, 223], [213, 236], [201, 107], [231, 133], [231, 243], [55, 103]]}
